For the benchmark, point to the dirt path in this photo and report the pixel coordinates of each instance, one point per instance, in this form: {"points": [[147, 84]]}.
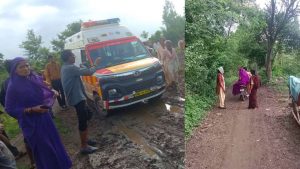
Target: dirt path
{"points": [[147, 135], [238, 138]]}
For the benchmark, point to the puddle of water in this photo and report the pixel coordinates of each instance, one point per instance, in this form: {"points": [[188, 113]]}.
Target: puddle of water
{"points": [[147, 118], [136, 138], [174, 109]]}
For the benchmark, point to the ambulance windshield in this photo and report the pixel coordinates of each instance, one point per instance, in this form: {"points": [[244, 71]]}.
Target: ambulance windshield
{"points": [[119, 54]]}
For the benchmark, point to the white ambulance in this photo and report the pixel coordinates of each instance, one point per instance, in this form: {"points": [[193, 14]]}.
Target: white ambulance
{"points": [[127, 74]]}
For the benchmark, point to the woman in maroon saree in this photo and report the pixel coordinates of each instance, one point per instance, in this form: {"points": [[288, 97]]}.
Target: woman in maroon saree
{"points": [[28, 100], [255, 83]]}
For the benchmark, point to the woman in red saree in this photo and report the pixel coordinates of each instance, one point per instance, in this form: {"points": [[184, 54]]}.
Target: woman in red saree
{"points": [[255, 83]]}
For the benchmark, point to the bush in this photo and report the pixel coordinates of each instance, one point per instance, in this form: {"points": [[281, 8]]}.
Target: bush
{"points": [[195, 110], [11, 125]]}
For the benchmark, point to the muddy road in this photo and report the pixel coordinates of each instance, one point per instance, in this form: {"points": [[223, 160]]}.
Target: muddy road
{"points": [[146, 135], [238, 138], [142, 136]]}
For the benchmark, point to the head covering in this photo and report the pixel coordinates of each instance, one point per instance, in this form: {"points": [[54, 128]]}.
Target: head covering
{"points": [[33, 83], [221, 70]]}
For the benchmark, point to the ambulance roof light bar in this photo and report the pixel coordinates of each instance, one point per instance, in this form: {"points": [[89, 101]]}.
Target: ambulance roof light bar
{"points": [[100, 22]]}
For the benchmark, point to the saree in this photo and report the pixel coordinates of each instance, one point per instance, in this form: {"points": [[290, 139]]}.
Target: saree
{"points": [[171, 66], [243, 81], [38, 128], [255, 82]]}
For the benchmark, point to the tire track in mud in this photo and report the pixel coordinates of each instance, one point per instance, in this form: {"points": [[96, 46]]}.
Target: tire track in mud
{"points": [[142, 136]]}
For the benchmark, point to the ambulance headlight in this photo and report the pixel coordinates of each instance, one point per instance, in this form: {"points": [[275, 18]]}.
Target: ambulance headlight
{"points": [[112, 92], [159, 79]]}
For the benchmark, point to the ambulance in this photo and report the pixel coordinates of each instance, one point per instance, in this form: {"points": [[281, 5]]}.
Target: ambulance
{"points": [[127, 73]]}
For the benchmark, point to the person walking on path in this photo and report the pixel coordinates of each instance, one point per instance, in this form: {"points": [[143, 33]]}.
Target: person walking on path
{"points": [[255, 84], [76, 96], [52, 75], [220, 88], [28, 100]]}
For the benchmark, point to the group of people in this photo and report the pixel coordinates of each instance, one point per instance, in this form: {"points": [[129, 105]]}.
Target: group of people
{"points": [[29, 99], [248, 80], [172, 61]]}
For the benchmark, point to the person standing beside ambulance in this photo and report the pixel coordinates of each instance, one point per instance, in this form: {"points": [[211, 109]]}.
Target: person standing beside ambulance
{"points": [[76, 96]]}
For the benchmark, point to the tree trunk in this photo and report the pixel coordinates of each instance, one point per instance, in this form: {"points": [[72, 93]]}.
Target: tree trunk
{"points": [[268, 63]]}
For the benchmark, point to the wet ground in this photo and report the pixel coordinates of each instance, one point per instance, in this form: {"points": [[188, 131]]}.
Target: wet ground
{"points": [[146, 135]]}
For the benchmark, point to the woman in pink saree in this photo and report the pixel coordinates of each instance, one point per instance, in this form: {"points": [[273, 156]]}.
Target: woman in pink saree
{"points": [[243, 81]]}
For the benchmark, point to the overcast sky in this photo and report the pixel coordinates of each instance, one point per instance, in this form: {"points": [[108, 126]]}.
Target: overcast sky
{"points": [[50, 17]]}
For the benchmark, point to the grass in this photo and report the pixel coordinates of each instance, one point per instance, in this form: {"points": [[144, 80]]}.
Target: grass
{"points": [[23, 166], [11, 125], [62, 129], [280, 84], [196, 109]]}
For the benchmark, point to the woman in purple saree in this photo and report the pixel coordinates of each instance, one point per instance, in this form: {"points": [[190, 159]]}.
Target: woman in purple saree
{"points": [[26, 94], [243, 80]]}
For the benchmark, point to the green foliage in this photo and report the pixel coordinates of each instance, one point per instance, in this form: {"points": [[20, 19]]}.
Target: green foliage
{"points": [[32, 45], [145, 34], [72, 28], [10, 124], [174, 23], [61, 126], [37, 54], [286, 64], [195, 110], [250, 36], [210, 44], [156, 36]]}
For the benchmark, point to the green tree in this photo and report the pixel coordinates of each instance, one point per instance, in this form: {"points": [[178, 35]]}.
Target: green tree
{"points": [[1, 61], [249, 36], [72, 28], [36, 53], [156, 36], [145, 35], [32, 45], [277, 19], [174, 23]]}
